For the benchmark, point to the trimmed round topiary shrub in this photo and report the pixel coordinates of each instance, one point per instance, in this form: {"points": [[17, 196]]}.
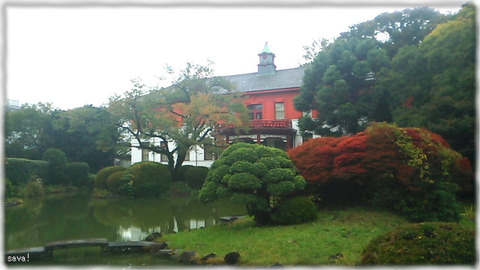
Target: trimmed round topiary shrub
{"points": [[103, 174], [422, 243], [295, 210], [195, 177], [114, 181], [254, 175], [57, 165], [145, 178]]}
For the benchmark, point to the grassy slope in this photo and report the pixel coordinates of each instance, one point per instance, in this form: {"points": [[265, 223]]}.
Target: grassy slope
{"points": [[346, 231]]}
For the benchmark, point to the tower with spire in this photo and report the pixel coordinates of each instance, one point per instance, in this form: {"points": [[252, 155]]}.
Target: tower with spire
{"points": [[266, 64]]}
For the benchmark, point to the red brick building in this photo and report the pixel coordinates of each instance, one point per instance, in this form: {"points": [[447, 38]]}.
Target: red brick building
{"points": [[270, 93], [269, 97]]}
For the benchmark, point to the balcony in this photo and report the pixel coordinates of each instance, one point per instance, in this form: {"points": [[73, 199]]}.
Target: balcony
{"points": [[262, 126], [260, 123]]}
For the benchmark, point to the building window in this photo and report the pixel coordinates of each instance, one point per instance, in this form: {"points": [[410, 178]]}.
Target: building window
{"points": [[279, 111], [255, 111], [145, 154], [208, 153]]}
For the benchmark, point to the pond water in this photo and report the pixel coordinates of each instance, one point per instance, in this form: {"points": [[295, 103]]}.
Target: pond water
{"points": [[55, 218]]}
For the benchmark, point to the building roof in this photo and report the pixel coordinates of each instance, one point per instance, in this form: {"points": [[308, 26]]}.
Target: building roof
{"points": [[281, 79]]}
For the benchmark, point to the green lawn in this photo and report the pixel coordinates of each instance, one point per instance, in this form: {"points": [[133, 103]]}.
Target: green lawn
{"points": [[345, 230]]}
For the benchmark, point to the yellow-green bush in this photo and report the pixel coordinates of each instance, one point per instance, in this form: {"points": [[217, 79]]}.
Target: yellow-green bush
{"points": [[114, 181], [103, 174], [423, 244]]}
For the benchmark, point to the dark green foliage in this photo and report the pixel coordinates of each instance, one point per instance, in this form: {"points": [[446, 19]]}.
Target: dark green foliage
{"points": [[254, 175], [114, 181], [179, 173], [57, 165], [295, 210], [77, 174], [91, 181], [145, 178], [9, 189], [85, 134], [429, 243], [19, 171], [195, 177], [103, 174]]}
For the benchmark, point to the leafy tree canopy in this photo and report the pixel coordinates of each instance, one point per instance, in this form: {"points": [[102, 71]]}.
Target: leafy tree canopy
{"points": [[183, 114], [78, 132], [433, 85], [418, 70]]}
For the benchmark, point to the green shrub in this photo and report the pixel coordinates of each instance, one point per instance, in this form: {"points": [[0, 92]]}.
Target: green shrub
{"points": [[145, 178], [57, 165], [179, 174], [254, 175], [19, 170], [10, 190], [103, 174], [295, 210], [422, 243], [33, 188], [91, 181], [195, 177], [114, 181], [77, 174]]}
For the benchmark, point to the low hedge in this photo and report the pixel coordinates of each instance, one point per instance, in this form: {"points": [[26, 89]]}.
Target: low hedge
{"points": [[422, 244], [179, 175], [195, 176], [20, 171], [145, 178]]}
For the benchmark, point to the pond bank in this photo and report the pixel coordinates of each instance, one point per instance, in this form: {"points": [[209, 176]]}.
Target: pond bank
{"points": [[337, 237]]}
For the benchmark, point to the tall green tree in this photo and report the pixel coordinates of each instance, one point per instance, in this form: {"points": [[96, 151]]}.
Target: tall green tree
{"points": [[433, 85], [338, 85], [182, 115], [88, 134], [28, 130], [85, 134], [395, 30]]}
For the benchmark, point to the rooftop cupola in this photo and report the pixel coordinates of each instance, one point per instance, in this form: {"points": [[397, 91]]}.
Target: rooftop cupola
{"points": [[266, 65]]}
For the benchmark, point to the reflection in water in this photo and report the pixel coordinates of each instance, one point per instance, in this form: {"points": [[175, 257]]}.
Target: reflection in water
{"points": [[54, 218]]}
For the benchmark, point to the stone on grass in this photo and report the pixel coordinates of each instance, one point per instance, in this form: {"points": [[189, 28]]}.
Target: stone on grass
{"points": [[232, 258], [187, 257]]}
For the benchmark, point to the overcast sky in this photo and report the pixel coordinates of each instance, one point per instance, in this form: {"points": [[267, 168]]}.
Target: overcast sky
{"points": [[76, 55]]}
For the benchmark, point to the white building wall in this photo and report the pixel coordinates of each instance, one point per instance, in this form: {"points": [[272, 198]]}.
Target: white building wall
{"points": [[298, 139], [196, 155]]}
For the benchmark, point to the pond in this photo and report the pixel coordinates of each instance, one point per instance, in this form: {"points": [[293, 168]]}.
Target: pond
{"points": [[54, 218]]}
